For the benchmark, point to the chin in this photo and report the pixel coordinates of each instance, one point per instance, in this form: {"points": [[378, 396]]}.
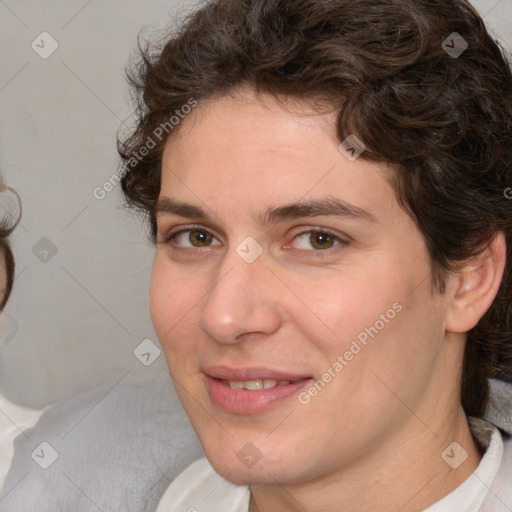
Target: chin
{"points": [[239, 469]]}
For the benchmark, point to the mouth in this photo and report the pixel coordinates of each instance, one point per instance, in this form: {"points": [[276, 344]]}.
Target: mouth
{"points": [[251, 390], [255, 385]]}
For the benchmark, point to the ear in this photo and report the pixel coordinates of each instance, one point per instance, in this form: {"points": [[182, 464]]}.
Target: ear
{"points": [[476, 286]]}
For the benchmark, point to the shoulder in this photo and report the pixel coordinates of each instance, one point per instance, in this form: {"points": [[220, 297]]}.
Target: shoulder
{"points": [[505, 474], [499, 414], [499, 499], [190, 489], [112, 442]]}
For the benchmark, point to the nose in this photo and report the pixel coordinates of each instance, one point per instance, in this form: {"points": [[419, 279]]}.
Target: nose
{"points": [[242, 302]]}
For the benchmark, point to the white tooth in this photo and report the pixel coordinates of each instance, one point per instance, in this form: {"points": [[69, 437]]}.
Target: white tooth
{"points": [[253, 384], [236, 385], [284, 382], [269, 383]]}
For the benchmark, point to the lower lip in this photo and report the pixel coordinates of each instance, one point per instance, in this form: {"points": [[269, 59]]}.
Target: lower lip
{"points": [[243, 401]]}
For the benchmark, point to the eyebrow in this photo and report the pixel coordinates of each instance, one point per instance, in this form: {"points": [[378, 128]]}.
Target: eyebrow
{"points": [[328, 206]]}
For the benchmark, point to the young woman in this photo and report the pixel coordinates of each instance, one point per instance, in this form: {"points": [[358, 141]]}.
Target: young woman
{"points": [[326, 185], [13, 418]]}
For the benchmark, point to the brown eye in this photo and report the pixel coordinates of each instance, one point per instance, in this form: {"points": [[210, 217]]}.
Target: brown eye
{"points": [[192, 238], [316, 241], [320, 240], [200, 238]]}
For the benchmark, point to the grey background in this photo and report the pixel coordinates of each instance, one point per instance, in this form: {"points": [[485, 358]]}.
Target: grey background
{"points": [[81, 314]]}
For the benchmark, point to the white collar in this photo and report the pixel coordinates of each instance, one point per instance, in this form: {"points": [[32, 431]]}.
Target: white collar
{"points": [[470, 495]]}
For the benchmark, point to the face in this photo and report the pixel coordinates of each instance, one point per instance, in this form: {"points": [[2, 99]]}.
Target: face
{"points": [[291, 294]]}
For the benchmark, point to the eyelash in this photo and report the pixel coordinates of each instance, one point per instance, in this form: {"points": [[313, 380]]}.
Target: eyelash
{"points": [[320, 253]]}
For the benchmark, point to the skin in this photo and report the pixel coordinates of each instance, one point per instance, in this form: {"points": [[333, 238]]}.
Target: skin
{"points": [[372, 439]]}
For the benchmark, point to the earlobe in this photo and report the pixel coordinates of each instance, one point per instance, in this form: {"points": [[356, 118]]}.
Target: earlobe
{"points": [[476, 287]]}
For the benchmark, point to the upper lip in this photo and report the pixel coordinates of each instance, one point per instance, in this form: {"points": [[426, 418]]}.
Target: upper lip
{"points": [[251, 373]]}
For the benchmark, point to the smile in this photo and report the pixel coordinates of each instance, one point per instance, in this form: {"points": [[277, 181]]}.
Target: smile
{"points": [[253, 385], [251, 391]]}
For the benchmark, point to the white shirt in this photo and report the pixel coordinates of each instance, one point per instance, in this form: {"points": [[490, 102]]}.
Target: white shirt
{"points": [[470, 495], [14, 419], [200, 489]]}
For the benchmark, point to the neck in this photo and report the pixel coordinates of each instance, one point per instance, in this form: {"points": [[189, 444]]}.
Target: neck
{"points": [[405, 473]]}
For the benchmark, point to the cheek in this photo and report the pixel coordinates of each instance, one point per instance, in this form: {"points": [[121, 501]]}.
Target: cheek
{"points": [[342, 305], [370, 318], [388, 340], [172, 299]]}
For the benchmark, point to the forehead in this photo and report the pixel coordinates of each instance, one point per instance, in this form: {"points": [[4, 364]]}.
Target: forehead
{"points": [[249, 151]]}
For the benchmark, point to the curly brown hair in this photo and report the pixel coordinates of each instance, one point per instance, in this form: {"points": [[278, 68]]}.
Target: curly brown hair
{"points": [[401, 79], [10, 214]]}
